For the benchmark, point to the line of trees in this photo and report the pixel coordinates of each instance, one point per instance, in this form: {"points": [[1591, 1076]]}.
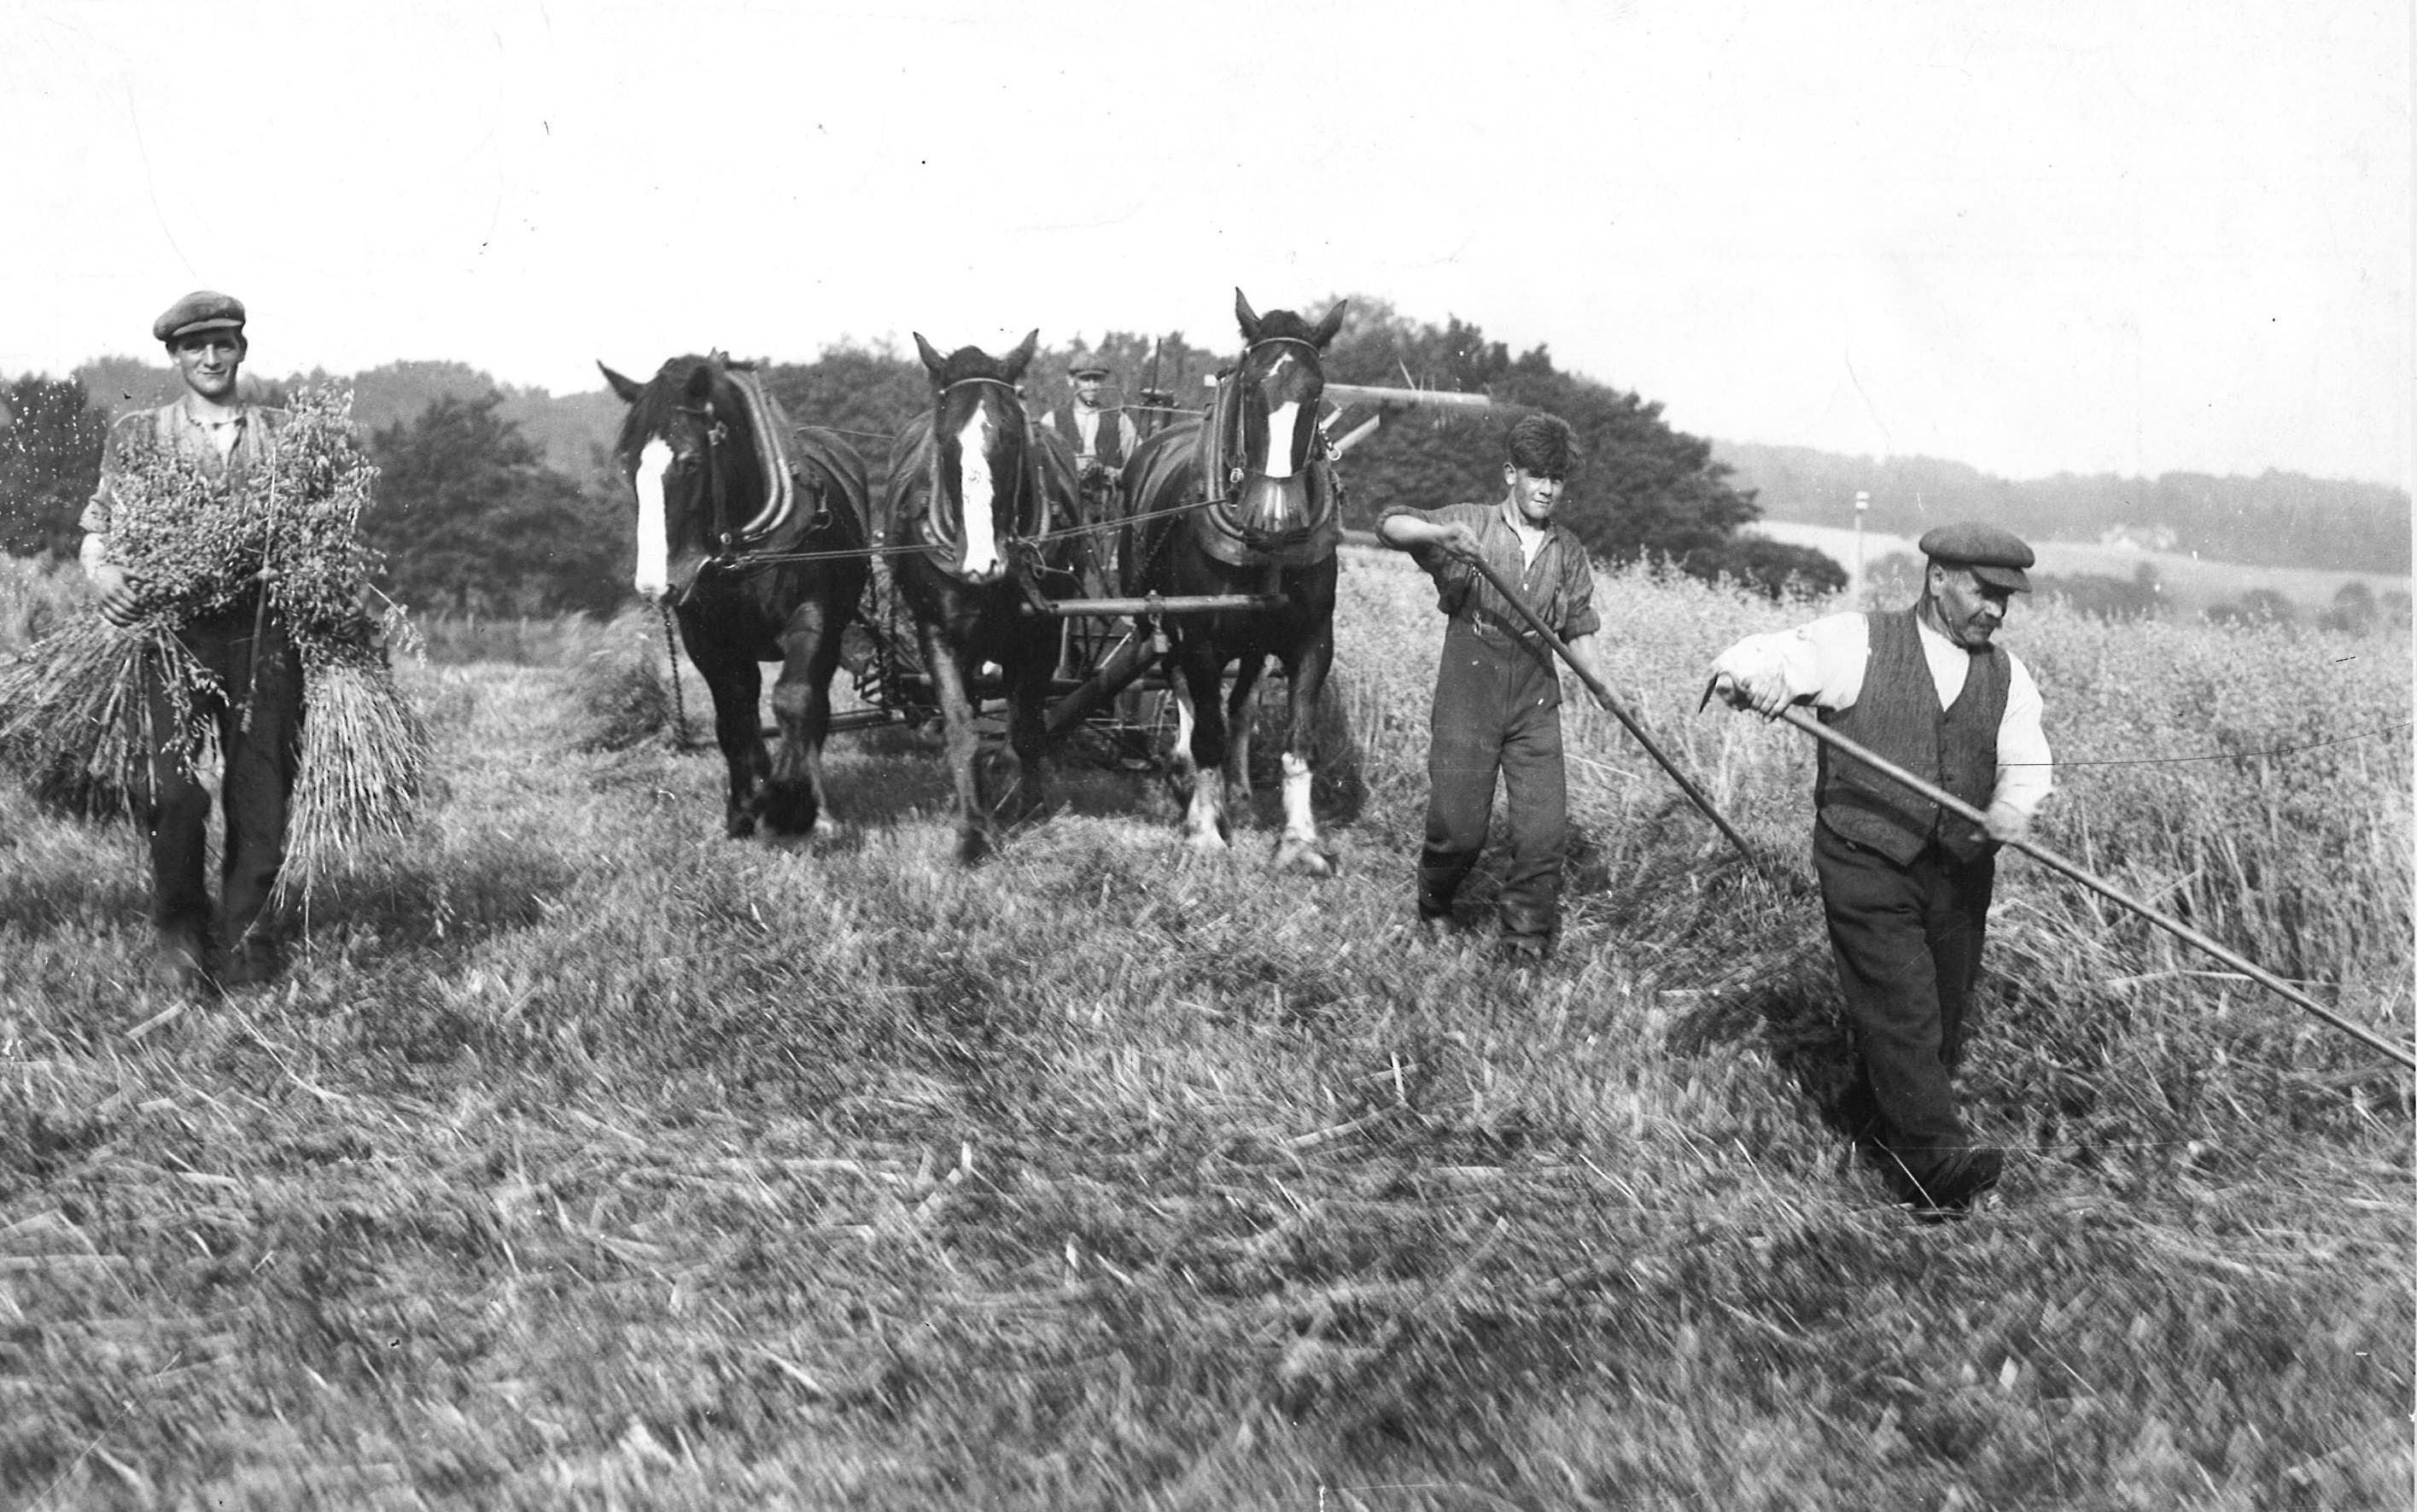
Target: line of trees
{"points": [[503, 501], [49, 463], [470, 515], [1644, 490]]}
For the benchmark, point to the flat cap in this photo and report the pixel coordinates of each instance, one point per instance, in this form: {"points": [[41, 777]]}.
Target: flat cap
{"points": [[1995, 557], [1084, 366], [202, 310]]}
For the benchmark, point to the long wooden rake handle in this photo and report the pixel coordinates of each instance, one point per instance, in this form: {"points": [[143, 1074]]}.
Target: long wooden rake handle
{"points": [[1611, 701], [2054, 862]]}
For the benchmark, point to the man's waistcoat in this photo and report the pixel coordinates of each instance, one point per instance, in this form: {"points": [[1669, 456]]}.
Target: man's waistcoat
{"points": [[1109, 437], [1897, 716]]}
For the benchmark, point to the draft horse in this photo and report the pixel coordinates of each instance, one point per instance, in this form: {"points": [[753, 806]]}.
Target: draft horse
{"points": [[755, 532], [968, 522], [1243, 500]]}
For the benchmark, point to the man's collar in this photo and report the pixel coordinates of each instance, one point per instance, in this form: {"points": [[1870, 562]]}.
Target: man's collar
{"points": [[190, 403], [1921, 625], [1508, 512]]}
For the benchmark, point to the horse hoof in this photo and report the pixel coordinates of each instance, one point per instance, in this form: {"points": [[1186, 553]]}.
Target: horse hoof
{"points": [[1207, 844], [821, 832], [1303, 856], [739, 826], [973, 846]]}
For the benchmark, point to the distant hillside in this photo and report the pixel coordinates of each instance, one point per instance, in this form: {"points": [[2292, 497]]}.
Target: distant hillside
{"points": [[567, 430], [2277, 519]]}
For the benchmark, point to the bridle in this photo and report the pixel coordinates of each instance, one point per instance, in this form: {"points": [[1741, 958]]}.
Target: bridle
{"points": [[715, 432], [771, 455], [941, 531], [1220, 478], [1216, 525]]}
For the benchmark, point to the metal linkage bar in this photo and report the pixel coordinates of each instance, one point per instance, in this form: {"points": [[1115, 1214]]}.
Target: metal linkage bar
{"points": [[1193, 603]]}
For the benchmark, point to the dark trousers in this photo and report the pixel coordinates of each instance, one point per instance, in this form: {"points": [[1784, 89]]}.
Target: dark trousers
{"points": [[1497, 710], [259, 767], [1907, 943]]}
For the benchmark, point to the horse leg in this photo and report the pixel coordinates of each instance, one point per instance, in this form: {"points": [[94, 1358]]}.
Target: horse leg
{"points": [[1034, 661], [737, 684], [794, 799], [1200, 741], [1240, 811], [976, 836], [1305, 670]]}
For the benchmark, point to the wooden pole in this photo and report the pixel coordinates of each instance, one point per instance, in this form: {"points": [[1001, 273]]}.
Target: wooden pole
{"points": [[1361, 393], [2054, 862], [1611, 701]]}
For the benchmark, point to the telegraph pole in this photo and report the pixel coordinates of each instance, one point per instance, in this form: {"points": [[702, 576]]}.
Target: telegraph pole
{"points": [[1862, 505]]}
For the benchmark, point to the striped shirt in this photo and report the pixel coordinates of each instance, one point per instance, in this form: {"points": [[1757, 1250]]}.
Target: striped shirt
{"points": [[238, 442], [1559, 585]]}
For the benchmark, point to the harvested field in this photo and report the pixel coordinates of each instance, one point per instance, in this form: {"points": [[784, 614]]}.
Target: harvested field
{"points": [[586, 1159]]}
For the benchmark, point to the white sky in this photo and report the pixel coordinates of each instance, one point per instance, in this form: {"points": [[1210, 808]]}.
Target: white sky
{"points": [[2027, 234]]}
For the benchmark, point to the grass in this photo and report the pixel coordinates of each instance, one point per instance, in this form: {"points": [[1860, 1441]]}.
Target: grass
{"points": [[588, 1160]]}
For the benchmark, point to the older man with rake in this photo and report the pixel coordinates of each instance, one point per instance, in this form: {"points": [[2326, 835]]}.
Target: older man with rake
{"points": [[257, 711], [1905, 883]]}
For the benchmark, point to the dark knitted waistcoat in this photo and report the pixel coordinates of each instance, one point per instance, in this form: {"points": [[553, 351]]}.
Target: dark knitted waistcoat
{"points": [[1897, 716], [1109, 436]]}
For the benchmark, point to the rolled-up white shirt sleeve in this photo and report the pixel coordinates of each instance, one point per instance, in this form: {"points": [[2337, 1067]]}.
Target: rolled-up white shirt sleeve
{"points": [[1822, 662], [2025, 771]]}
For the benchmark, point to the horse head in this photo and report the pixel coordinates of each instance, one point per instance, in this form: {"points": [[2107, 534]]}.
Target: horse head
{"points": [[1268, 422], [703, 450], [984, 495]]}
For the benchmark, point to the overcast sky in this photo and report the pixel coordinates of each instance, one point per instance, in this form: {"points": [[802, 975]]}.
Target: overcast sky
{"points": [[2034, 236]]}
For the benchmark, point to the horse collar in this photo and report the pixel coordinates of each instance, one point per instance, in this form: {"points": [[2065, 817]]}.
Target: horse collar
{"points": [[772, 457]]}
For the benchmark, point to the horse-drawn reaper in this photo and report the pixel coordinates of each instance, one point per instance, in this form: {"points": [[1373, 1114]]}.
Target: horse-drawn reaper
{"points": [[753, 533], [984, 575]]}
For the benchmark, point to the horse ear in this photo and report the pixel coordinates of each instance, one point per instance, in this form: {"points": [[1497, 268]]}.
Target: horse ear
{"points": [[1016, 360], [932, 359], [624, 386], [1246, 316], [1327, 327]]}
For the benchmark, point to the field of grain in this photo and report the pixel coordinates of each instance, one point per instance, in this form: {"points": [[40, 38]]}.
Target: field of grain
{"points": [[586, 1159]]}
